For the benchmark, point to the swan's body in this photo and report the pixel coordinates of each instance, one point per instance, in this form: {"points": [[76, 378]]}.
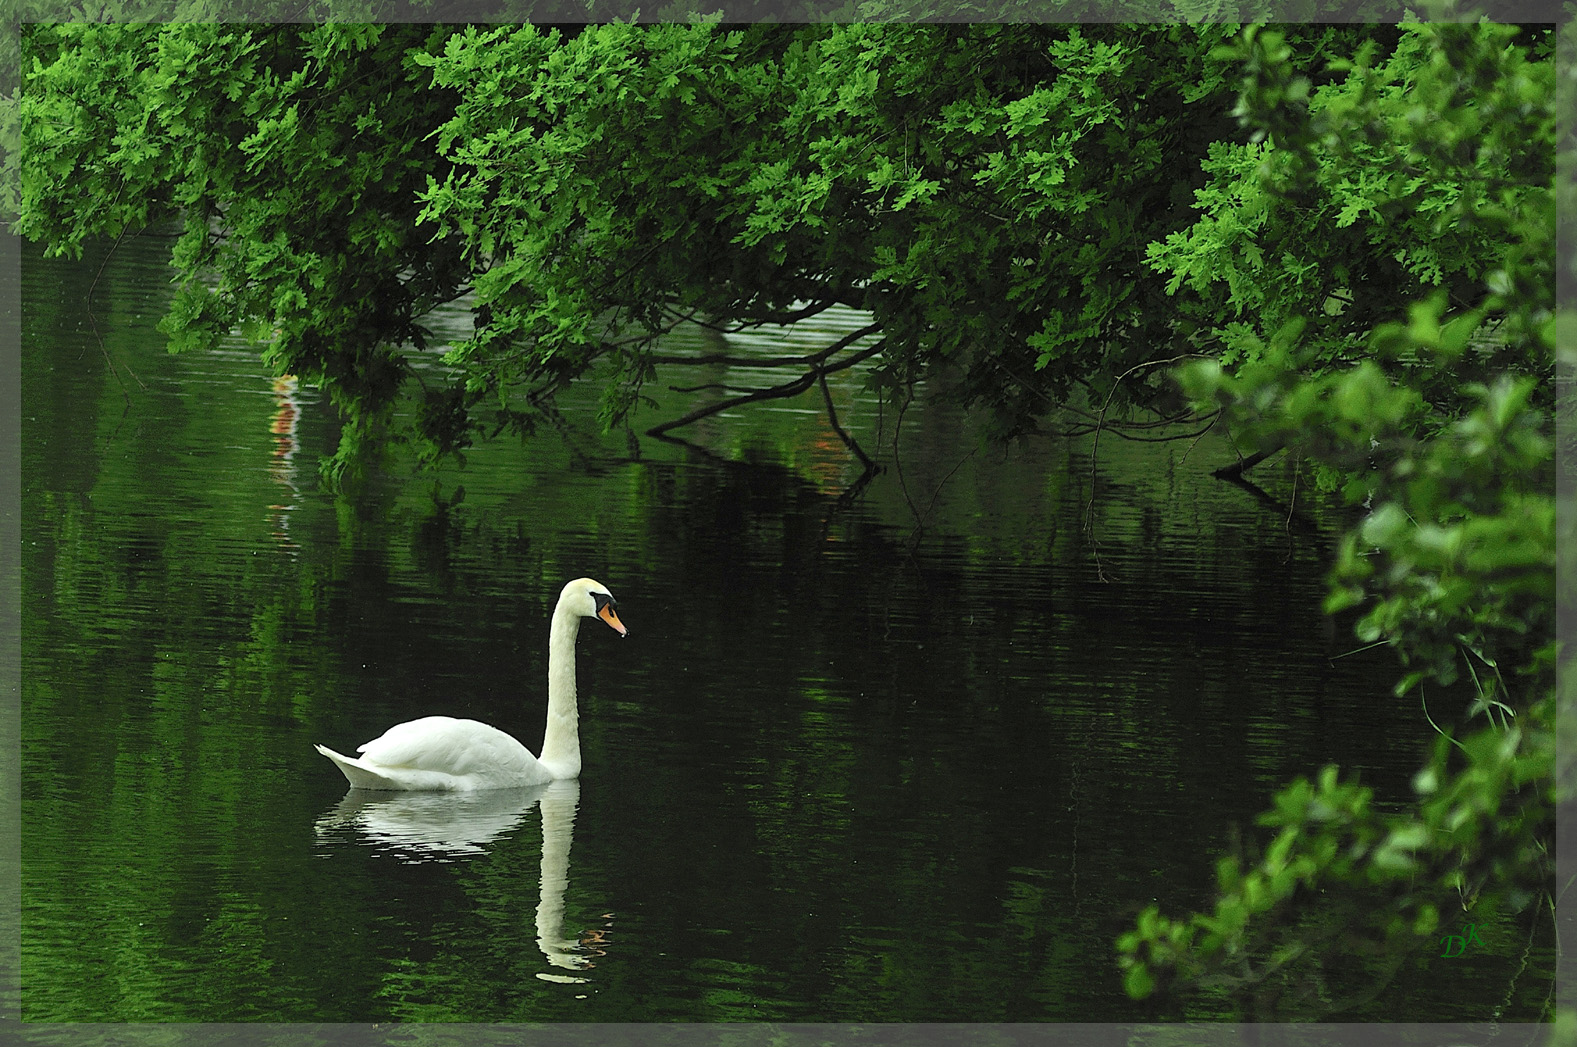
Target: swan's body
{"points": [[443, 753]]}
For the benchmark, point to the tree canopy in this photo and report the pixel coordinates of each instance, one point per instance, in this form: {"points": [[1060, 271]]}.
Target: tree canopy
{"points": [[1336, 239], [986, 193]]}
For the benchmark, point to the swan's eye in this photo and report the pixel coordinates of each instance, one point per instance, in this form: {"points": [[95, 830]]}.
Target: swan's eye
{"points": [[604, 600]]}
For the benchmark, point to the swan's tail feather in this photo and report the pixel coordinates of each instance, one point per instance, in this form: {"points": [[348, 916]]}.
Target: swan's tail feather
{"points": [[359, 777]]}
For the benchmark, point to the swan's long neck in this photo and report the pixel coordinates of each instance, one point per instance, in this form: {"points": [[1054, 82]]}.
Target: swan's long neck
{"points": [[561, 738]]}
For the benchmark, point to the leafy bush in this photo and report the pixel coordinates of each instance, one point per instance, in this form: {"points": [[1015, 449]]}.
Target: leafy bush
{"points": [[1426, 178]]}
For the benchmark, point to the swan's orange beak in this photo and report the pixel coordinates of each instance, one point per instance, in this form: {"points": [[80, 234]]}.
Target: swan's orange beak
{"points": [[607, 614]]}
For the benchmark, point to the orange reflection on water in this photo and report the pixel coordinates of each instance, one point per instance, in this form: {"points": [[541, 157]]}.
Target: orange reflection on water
{"points": [[282, 464]]}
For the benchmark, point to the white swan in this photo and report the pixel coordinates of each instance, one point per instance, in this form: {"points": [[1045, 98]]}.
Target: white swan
{"points": [[443, 753]]}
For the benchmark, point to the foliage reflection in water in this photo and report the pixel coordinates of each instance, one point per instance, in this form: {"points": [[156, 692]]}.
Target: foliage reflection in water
{"points": [[845, 769]]}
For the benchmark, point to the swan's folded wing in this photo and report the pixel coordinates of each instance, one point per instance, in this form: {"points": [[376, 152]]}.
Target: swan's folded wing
{"points": [[447, 745]]}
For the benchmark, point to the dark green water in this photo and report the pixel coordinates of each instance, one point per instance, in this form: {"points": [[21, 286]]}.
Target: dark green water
{"points": [[844, 768]]}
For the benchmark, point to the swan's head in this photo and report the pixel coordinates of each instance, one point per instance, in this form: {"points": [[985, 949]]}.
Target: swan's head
{"points": [[591, 599]]}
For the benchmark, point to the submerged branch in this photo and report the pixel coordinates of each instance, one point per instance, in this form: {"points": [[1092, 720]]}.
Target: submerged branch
{"points": [[1236, 470], [709, 387], [832, 417], [1193, 434], [734, 361], [1095, 448], [1122, 428], [793, 388], [778, 319], [773, 361]]}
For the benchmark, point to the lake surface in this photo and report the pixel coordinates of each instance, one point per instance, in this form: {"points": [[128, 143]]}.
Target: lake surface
{"points": [[918, 754]]}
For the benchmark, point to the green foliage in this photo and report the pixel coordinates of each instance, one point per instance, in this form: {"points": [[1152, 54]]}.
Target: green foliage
{"points": [[978, 190], [1340, 875], [1430, 170], [1456, 555], [1395, 230], [983, 191], [289, 154], [1438, 420]]}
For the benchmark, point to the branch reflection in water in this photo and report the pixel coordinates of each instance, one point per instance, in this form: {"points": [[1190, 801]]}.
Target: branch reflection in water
{"points": [[454, 826]]}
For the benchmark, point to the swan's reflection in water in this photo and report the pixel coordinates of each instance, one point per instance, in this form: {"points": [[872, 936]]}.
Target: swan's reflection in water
{"points": [[559, 800], [448, 827]]}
